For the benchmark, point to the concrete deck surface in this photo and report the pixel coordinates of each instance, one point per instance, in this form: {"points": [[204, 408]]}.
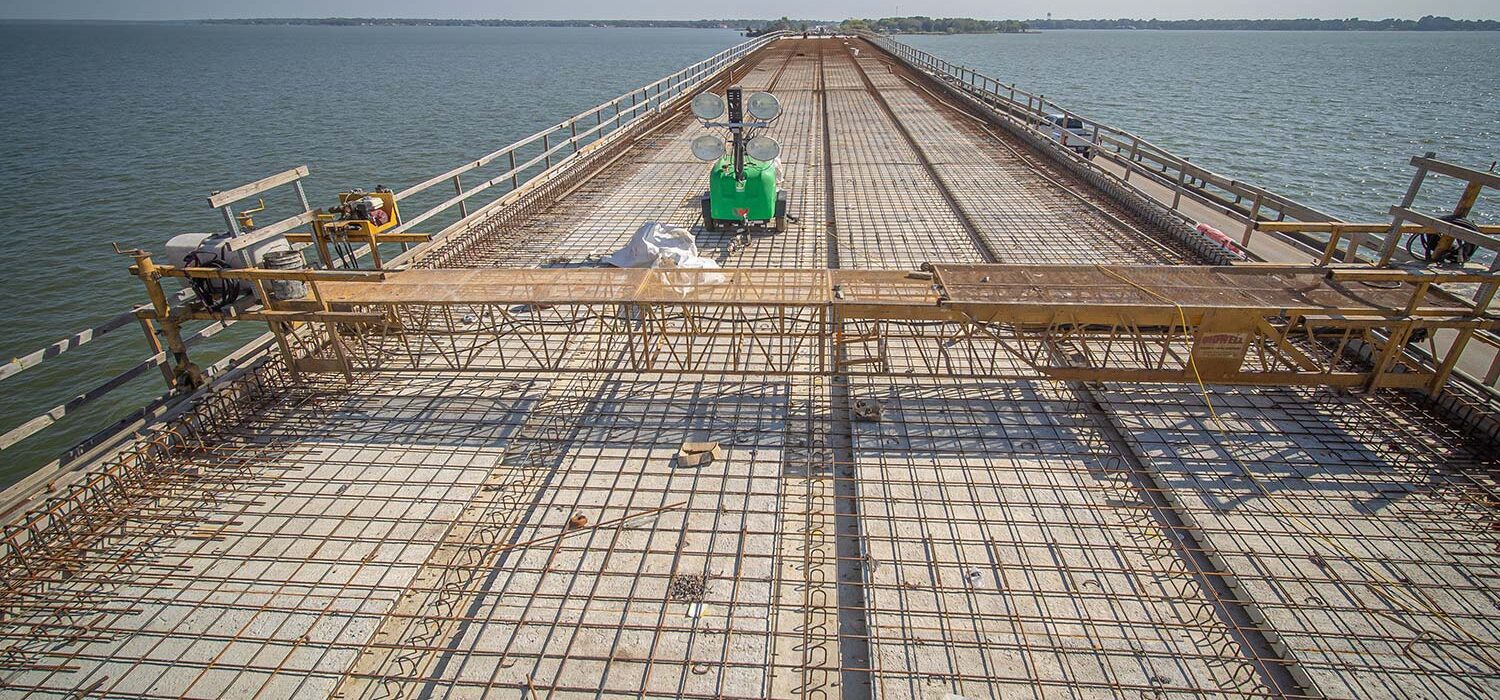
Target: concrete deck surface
{"points": [[408, 536]]}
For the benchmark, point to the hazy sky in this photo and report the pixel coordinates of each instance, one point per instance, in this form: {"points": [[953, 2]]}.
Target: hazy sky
{"points": [[697, 9]]}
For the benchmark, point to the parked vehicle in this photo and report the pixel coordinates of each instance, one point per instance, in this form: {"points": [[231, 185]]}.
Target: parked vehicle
{"points": [[1071, 132]]}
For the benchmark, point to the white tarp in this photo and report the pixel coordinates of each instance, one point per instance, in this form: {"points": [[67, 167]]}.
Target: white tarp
{"points": [[658, 245]]}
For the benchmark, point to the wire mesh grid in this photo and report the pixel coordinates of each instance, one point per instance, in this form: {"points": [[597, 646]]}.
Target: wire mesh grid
{"points": [[1359, 533], [412, 533]]}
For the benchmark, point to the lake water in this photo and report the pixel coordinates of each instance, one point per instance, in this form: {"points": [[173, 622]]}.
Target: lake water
{"points": [[1328, 118], [117, 132]]}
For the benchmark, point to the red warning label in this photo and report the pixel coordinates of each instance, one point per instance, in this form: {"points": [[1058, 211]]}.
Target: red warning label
{"points": [[1221, 346]]}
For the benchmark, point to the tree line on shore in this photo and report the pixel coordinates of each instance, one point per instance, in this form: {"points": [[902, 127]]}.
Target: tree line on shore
{"points": [[941, 25], [965, 25], [1427, 23], [919, 24], [408, 21]]}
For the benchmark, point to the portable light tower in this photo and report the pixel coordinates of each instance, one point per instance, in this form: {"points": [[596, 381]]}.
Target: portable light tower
{"points": [[742, 187]]}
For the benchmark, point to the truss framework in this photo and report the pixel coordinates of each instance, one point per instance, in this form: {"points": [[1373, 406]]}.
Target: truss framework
{"points": [[1246, 325]]}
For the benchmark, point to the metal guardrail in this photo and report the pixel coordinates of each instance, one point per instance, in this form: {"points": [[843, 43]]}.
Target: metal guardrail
{"points": [[541, 155], [1248, 204], [1241, 201], [544, 149], [553, 148], [1258, 209], [539, 152]]}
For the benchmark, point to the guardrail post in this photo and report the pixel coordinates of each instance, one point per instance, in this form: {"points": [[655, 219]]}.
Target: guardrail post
{"points": [[514, 183], [1356, 240], [1493, 375], [1393, 237], [1177, 191], [1445, 368], [458, 189], [301, 195], [1250, 225], [547, 150], [154, 343], [1334, 233]]}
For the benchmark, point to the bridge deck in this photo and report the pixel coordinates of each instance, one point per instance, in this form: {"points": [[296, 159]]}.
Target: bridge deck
{"points": [[408, 534]]}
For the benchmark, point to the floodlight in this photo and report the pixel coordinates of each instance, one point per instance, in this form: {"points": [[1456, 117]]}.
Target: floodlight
{"points": [[763, 148], [708, 146], [708, 106], [763, 106]]}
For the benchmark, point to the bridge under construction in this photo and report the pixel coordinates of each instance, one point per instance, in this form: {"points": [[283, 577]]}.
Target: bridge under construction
{"points": [[986, 419]]}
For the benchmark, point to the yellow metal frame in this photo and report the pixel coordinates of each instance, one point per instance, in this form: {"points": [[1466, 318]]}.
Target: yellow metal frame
{"points": [[326, 229], [1245, 325]]}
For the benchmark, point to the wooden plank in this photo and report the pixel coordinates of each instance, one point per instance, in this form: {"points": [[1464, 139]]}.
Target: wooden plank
{"points": [[987, 291], [1478, 238], [242, 242], [1329, 226], [1374, 274], [1486, 178], [308, 315], [304, 275], [82, 337], [220, 199], [41, 422], [381, 237]]}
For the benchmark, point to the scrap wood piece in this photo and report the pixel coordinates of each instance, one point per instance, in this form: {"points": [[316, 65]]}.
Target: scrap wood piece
{"points": [[698, 453]]}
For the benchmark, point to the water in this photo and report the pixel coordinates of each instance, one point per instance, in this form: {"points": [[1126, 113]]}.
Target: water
{"points": [[1331, 119], [117, 132]]}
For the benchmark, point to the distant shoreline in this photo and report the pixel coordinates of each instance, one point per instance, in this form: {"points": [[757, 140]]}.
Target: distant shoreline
{"points": [[887, 25], [891, 24], [736, 24]]}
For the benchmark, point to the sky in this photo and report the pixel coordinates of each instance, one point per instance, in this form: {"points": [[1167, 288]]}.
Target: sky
{"points": [[697, 9]]}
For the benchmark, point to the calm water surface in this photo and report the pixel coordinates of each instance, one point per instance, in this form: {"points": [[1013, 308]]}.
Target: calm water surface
{"points": [[117, 132], [1328, 118]]}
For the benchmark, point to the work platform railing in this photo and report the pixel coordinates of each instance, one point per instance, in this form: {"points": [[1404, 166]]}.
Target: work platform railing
{"points": [[1139, 157], [545, 154]]}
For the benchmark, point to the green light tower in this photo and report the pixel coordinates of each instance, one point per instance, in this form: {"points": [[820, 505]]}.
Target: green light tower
{"points": [[742, 187]]}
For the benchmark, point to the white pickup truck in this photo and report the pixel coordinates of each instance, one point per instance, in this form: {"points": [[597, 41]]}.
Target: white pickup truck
{"points": [[1071, 133]]}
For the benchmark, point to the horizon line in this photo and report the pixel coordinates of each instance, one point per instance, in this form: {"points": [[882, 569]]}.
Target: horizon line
{"points": [[726, 19]]}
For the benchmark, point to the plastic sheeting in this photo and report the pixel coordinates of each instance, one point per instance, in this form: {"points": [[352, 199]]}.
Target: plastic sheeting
{"points": [[655, 244]]}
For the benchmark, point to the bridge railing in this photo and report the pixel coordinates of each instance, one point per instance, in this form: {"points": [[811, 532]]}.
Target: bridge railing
{"points": [[539, 152], [520, 161], [1325, 237], [546, 151], [1241, 201]]}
